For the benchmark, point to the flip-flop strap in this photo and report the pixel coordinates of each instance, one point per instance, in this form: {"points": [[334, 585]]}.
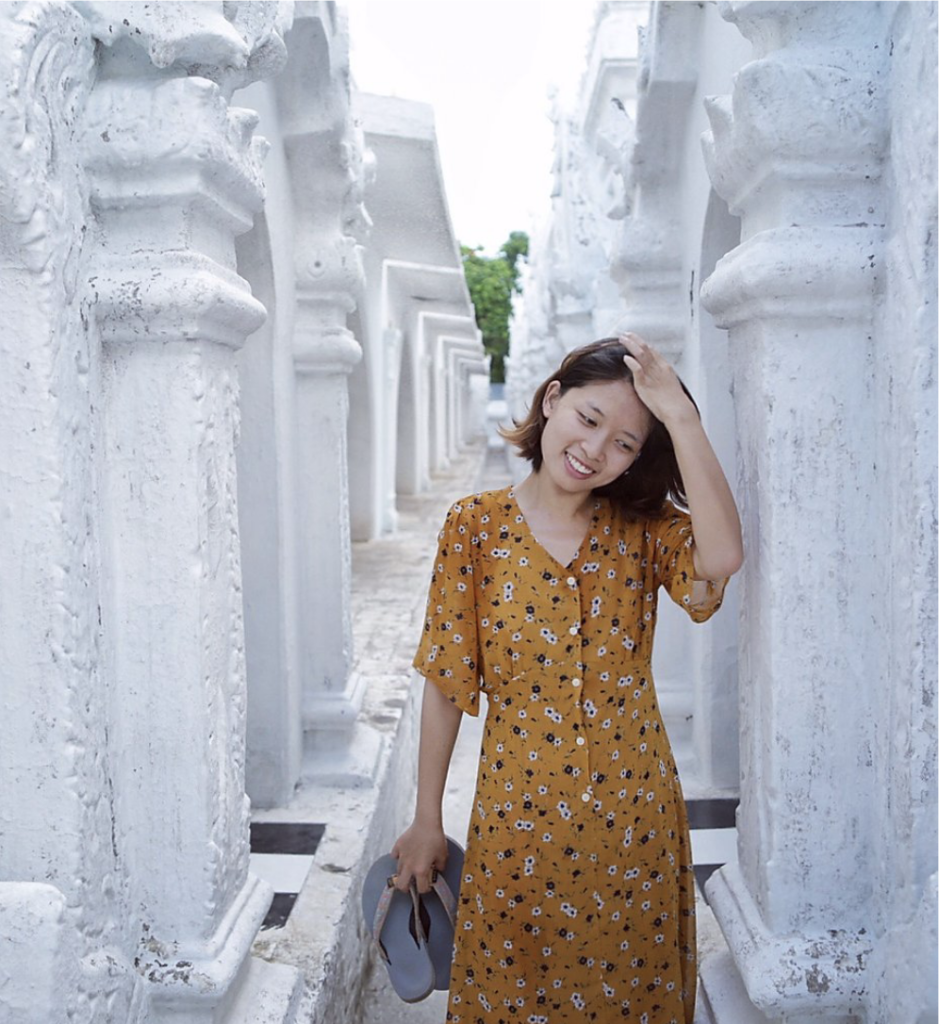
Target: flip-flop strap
{"points": [[381, 913], [446, 897]]}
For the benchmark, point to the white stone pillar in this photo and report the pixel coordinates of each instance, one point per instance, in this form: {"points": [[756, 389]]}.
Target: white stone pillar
{"points": [[648, 262], [797, 155], [325, 157], [61, 884], [324, 354], [462, 355], [175, 175], [323, 357], [438, 404]]}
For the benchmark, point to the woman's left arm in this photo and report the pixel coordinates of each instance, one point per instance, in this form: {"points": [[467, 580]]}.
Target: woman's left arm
{"points": [[714, 518]]}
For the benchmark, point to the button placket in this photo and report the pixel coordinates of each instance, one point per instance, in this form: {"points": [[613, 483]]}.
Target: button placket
{"points": [[577, 684]]}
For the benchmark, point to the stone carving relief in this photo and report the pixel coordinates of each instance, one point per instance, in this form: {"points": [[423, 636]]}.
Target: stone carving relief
{"points": [[60, 899], [231, 44]]}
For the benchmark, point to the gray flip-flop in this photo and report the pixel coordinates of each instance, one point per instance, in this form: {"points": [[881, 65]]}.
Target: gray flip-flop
{"points": [[398, 929], [441, 904]]}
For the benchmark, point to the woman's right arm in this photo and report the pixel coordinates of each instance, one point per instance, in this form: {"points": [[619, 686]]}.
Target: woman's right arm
{"points": [[423, 846]]}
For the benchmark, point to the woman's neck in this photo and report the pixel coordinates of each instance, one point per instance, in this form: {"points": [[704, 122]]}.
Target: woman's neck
{"points": [[537, 494]]}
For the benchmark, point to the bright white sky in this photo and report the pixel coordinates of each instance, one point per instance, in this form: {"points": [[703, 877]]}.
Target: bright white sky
{"points": [[486, 67]]}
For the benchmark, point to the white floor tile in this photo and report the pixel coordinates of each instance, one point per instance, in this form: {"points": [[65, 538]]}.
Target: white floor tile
{"points": [[714, 845], [285, 871]]}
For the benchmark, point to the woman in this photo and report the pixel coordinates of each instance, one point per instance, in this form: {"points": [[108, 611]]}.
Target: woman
{"points": [[577, 901]]}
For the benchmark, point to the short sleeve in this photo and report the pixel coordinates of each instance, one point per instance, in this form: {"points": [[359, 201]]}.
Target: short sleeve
{"points": [[673, 567], [448, 654]]}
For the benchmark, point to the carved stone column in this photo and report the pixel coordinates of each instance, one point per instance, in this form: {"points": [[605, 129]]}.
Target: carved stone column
{"points": [[465, 358], [796, 153], [648, 264], [61, 889], [324, 353], [325, 156], [175, 176]]}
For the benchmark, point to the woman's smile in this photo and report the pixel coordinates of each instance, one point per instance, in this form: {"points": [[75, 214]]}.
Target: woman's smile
{"points": [[578, 468]]}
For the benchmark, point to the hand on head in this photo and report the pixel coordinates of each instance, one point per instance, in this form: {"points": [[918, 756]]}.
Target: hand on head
{"points": [[654, 379]]}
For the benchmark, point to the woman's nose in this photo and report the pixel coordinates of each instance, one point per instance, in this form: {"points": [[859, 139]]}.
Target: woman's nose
{"points": [[594, 446]]}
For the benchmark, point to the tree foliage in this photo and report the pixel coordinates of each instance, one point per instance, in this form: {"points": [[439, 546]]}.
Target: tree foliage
{"points": [[491, 282]]}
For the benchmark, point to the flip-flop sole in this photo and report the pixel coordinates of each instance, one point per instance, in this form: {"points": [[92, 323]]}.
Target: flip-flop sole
{"points": [[440, 933], [409, 965]]}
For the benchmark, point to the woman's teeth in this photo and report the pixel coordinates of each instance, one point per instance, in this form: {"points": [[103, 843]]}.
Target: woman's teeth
{"points": [[578, 465]]}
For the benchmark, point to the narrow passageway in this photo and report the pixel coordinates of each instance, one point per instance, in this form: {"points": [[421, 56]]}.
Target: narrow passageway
{"points": [[381, 1003]]}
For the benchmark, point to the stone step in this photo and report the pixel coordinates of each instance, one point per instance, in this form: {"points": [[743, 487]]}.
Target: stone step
{"points": [[268, 994]]}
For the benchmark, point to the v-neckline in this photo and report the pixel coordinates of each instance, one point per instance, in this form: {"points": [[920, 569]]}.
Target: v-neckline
{"points": [[594, 519]]}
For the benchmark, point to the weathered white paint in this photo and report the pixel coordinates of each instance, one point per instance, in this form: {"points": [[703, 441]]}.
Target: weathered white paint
{"points": [[801, 155], [62, 897], [176, 597]]}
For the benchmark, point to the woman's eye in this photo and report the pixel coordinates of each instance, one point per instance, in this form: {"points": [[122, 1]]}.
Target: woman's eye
{"points": [[590, 422], [625, 446]]}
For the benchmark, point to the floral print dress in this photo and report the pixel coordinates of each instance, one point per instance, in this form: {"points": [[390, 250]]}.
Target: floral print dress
{"points": [[577, 900]]}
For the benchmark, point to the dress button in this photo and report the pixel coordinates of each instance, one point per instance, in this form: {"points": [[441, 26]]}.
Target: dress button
{"points": [[574, 630], [575, 682], [580, 741], [571, 581], [585, 797]]}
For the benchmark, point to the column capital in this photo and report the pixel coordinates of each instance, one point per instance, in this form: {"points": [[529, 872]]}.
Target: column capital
{"points": [[175, 144], [174, 175], [827, 273], [325, 350], [230, 44], [802, 138], [329, 268]]}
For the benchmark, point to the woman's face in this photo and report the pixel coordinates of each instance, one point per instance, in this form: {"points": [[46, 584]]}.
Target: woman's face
{"points": [[593, 433]]}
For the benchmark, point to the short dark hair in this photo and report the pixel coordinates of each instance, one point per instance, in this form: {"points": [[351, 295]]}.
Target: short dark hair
{"points": [[653, 479]]}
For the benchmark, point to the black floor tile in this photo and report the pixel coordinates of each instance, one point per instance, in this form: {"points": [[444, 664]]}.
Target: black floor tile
{"points": [[285, 837], [712, 813], [280, 910]]}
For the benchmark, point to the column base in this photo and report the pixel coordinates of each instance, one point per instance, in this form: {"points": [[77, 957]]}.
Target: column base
{"points": [[820, 977], [193, 983], [343, 757], [37, 962], [722, 995]]}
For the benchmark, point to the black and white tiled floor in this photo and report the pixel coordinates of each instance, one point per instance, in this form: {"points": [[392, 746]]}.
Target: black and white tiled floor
{"points": [[281, 854], [713, 836]]}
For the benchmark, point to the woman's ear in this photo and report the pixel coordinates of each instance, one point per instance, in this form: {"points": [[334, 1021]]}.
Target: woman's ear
{"points": [[551, 396]]}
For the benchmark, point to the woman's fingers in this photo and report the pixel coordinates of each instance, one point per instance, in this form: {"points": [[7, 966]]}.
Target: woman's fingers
{"points": [[654, 378], [421, 874], [422, 879], [424, 882], [641, 354], [641, 358], [633, 365], [419, 854]]}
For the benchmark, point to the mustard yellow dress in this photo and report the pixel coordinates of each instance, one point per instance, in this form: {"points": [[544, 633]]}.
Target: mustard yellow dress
{"points": [[577, 900]]}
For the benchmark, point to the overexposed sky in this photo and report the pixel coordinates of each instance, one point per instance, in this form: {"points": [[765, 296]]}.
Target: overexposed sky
{"points": [[487, 68]]}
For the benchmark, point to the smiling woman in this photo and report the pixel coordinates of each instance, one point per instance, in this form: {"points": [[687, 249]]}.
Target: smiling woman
{"points": [[577, 899]]}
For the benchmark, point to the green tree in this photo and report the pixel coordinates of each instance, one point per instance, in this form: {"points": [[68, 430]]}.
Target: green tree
{"points": [[515, 246], [491, 282]]}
